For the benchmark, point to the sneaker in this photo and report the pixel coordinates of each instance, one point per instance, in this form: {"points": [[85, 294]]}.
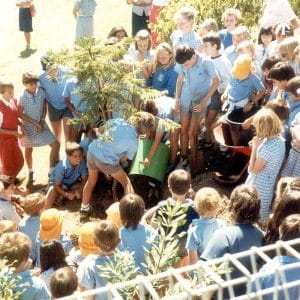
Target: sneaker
{"points": [[183, 164], [171, 166], [31, 177], [84, 214]]}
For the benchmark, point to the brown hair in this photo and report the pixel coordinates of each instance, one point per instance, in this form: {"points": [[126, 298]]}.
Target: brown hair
{"points": [[34, 203], [7, 226], [209, 25], [179, 182], [280, 107], [149, 105], [143, 122], [288, 46], [245, 204], [207, 200], [213, 38], [106, 236], [266, 123], [5, 85], [115, 30], [29, 77], [163, 47], [71, 147], [132, 208], [293, 86], [52, 255], [63, 282], [290, 228], [143, 35], [15, 247], [184, 53]]}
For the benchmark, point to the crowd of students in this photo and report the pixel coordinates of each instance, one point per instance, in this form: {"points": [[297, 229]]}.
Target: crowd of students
{"points": [[202, 73]]}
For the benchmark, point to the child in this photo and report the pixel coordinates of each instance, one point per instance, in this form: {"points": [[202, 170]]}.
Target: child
{"points": [[239, 34], [230, 19], [297, 60], [50, 228], [241, 235], [135, 237], [287, 51], [52, 257], [179, 184], [208, 26], [117, 32], [7, 226], [141, 52], [212, 46], [32, 109], [116, 145], [245, 88], [83, 12], [185, 34], [33, 206], [86, 244], [15, 248], [267, 154], [11, 157], [207, 201], [63, 283], [163, 76], [106, 237], [265, 37], [280, 269], [197, 82], [68, 177], [287, 204]]}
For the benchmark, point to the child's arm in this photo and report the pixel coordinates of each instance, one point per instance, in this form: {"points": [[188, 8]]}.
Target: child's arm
{"points": [[179, 84], [11, 132], [193, 256], [148, 216], [71, 107], [70, 195], [153, 149], [254, 100], [28, 119], [75, 12], [256, 164]]}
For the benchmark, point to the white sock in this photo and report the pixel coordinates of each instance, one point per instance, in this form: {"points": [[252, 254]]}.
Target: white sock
{"points": [[85, 206], [30, 170]]}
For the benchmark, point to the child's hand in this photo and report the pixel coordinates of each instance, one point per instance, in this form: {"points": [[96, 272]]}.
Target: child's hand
{"points": [[198, 107], [19, 134], [247, 107], [147, 163], [39, 127], [247, 123], [70, 196], [140, 56], [42, 124]]}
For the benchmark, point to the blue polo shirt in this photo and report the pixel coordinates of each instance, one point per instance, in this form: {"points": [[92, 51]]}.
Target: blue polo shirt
{"points": [[119, 139], [71, 91], [164, 80], [231, 54], [242, 89], [54, 88], [31, 287], [226, 38], [67, 174], [197, 80]]}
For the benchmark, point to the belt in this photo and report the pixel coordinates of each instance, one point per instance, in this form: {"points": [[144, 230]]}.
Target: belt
{"points": [[143, 4]]}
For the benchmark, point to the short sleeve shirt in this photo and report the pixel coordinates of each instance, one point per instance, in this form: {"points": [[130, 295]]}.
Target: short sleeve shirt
{"points": [[191, 39]]}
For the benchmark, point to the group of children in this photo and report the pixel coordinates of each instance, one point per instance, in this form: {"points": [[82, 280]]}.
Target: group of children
{"points": [[46, 258]]}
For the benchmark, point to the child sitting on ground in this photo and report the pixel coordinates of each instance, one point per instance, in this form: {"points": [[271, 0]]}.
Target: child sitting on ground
{"points": [[50, 228], [135, 237], [63, 283], [207, 202], [33, 206], [15, 248], [68, 177], [106, 237]]}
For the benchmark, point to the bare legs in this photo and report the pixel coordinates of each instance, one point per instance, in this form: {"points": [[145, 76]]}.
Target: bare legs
{"points": [[27, 39]]}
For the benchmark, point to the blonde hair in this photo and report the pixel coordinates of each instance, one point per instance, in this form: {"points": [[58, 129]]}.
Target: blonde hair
{"points": [[288, 46], [34, 203], [266, 123], [186, 12], [247, 46], [5, 85], [143, 122], [232, 12], [241, 32], [7, 226], [208, 25], [207, 200], [143, 35], [163, 47]]}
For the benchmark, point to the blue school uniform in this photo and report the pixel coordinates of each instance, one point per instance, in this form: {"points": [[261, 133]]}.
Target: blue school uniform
{"points": [[71, 91], [54, 88], [31, 287], [191, 39], [119, 139], [164, 80], [288, 274], [226, 38], [201, 232], [242, 89], [231, 54], [197, 80], [90, 274], [67, 174], [65, 242], [138, 241]]}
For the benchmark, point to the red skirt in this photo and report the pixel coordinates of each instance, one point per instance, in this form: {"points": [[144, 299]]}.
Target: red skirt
{"points": [[154, 12], [11, 157]]}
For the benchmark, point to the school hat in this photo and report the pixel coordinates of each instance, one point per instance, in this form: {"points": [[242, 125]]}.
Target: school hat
{"points": [[50, 224], [113, 214], [242, 67], [86, 239]]}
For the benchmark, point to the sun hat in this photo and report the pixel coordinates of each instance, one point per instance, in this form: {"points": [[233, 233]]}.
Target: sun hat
{"points": [[86, 239], [50, 224], [242, 67], [113, 214]]}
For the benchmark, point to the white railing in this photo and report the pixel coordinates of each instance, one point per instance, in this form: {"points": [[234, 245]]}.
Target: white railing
{"points": [[180, 287]]}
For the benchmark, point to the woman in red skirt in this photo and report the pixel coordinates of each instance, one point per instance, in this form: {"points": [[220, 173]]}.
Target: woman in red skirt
{"points": [[11, 158]]}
